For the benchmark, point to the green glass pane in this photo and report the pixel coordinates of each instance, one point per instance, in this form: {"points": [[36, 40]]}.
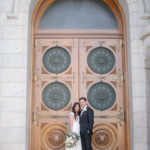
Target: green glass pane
{"points": [[101, 96], [78, 14], [56, 60], [56, 96], [101, 60]]}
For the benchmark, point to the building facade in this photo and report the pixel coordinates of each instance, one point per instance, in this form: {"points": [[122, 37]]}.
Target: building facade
{"points": [[19, 85]]}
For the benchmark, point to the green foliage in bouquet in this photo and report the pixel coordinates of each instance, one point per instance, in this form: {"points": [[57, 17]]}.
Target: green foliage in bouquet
{"points": [[71, 139]]}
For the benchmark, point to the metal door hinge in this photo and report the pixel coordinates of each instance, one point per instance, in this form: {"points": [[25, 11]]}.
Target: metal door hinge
{"points": [[122, 77], [122, 43], [35, 42], [124, 117], [34, 77], [32, 116]]}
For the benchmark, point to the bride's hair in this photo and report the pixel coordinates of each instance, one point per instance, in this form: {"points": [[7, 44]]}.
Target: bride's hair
{"points": [[73, 109]]}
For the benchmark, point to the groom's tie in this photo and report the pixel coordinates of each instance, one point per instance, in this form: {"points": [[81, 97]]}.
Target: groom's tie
{"points": [[82, 112]]}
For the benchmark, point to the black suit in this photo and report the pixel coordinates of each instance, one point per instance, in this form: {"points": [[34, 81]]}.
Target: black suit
{"points": [[86, 125]]}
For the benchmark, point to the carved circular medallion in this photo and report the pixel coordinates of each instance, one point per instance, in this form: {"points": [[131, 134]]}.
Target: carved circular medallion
{"points": [[101, 96], [56, 60], [56, 96], [101, 60], [104, 137], [53, 137]]}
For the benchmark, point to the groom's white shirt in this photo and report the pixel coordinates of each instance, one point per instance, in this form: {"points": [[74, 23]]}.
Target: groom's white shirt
{"points": [[84, 109]]}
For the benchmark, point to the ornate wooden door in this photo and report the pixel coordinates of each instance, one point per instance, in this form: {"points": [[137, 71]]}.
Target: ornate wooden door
{"points": [[101, 77], [56, 88], [66, 69]]}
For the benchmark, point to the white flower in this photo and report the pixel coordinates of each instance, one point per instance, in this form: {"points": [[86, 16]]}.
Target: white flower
{"points": [[71, 139]]}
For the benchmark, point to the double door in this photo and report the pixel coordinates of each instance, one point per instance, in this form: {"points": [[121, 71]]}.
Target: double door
{"points": [[66, 69]]}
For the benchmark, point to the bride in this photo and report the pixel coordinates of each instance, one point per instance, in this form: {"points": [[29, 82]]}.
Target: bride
{"points": [[74, 125]]}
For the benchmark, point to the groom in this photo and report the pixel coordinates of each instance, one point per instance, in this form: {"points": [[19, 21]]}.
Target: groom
{"points": [[86, 124]]}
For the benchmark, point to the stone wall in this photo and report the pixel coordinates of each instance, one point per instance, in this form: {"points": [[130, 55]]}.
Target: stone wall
{"points": [[13, 73], [138, 100], [15, 19]]}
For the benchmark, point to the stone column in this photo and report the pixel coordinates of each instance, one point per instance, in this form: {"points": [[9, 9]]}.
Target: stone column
{"points": [[146, 42]]}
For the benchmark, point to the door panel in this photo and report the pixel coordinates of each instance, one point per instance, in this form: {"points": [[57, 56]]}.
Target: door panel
{"points": [[104, 89], [66, 69], [56, 84]]}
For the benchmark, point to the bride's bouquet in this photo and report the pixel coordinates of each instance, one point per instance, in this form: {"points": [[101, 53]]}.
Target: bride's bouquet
{"points": [[71, 139]]}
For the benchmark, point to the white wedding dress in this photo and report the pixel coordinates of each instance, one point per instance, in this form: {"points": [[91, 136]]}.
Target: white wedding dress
{"points": [[76, 129]]}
